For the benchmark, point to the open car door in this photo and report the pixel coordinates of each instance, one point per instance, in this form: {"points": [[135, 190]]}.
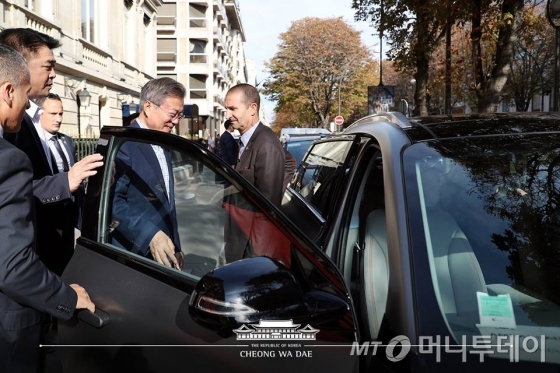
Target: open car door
{"points": [[253, 293]]}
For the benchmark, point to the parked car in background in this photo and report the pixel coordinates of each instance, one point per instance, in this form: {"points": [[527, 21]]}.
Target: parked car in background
{"points": [[298, 140], [401, 246]]}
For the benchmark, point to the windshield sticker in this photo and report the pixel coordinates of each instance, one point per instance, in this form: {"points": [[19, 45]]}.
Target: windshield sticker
{"points": [[495, 310]]}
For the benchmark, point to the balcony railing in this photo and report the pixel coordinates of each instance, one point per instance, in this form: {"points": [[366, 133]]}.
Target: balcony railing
{"points": [[40, 24], [94, 56]]}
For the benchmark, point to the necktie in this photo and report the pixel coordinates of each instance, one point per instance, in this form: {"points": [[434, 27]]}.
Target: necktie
{"points": [[239, 149], [58, 148]]}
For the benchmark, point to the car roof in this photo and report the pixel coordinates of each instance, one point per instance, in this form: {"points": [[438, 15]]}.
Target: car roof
{"points": [[295, 131], [302, 138], [454, 126]]}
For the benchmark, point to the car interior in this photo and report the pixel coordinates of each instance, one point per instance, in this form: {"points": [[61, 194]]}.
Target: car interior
{"points": [[365, 263], [459, 263]]}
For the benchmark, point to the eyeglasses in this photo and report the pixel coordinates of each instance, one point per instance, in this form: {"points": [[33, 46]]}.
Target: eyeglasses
{"points": [[178, 115]]}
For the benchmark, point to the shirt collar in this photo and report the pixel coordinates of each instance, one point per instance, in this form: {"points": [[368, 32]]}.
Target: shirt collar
{"points": [[1, 131], [140, 124], [247, 135], [34, 110]]}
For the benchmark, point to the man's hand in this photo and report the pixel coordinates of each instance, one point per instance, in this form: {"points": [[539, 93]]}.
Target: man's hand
{"points": [[83, 298], [163, 250], [83, 169]]}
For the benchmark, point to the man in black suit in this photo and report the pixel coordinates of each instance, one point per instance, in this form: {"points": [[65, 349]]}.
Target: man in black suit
{"points": [[228, 146], [27, 287], [50, 187], [63, 151]]}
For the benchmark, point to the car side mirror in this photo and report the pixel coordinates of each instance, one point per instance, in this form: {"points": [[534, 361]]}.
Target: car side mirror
{"points": [[255, 289]]}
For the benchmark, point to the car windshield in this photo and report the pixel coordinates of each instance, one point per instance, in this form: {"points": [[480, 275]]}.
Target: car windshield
{"points": [[484, 213]]}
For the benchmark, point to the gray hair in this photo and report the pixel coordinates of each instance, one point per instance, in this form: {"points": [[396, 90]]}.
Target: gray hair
{"points": [[157, 90], [13, 67]]}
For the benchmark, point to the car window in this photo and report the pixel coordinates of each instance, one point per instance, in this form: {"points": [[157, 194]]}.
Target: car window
{"points": [[207, 219], [486, 212], [322, 168], [298, 148]]}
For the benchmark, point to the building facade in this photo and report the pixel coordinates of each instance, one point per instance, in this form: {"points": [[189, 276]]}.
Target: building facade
{"points": [[107, 54], [200, 44]]}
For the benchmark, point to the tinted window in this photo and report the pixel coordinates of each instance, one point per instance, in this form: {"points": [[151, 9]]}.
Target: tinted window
{"points": [[298, 148], [208, 220], [488, 210], [322, 168]]}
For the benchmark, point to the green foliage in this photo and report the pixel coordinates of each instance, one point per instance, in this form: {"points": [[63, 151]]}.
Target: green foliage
{"points": [[316, 58]]}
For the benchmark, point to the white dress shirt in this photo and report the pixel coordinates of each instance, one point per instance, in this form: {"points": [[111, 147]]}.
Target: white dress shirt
{"points": [[246, 137], [161, 159], [34, 112], [59, 162]]}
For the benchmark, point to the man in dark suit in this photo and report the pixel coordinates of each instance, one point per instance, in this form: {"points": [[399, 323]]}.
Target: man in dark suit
{"points": [[228, 146], [261, 161], [63, 158], [261, 156], [50, 187], [146, 225], [27, 287]]}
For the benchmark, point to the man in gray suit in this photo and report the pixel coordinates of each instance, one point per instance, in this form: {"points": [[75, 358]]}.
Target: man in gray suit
{"points": [[27, 287]]}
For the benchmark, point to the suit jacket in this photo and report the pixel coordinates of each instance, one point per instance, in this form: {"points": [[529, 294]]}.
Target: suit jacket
{"points": [[26, 286], [79, 195], [56, 212], [262, 163], [141, 206], [228, 148]]}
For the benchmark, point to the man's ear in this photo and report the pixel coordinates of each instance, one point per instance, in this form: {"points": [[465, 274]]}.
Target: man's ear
{"points": [[7, 93]]}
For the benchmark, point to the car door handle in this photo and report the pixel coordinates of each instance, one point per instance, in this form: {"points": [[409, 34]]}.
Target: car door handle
{"points": [[99, 318]]}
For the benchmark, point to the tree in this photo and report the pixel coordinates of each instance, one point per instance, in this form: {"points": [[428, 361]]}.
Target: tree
{"points": [[315, 58], [415, 29], [533, 62]]}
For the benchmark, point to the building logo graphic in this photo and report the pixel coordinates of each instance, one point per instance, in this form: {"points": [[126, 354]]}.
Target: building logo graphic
{"points": [[275, 329]]}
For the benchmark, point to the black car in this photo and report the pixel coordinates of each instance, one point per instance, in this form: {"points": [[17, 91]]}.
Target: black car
{"points": [[400, 246], [285, 305], [447, 232]]}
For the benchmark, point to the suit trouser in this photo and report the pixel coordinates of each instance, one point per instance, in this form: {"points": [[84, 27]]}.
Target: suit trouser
{"points": [[19, 349]]}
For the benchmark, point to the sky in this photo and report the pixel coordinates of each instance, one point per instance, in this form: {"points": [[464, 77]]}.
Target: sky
{"points": [[264, 20]]}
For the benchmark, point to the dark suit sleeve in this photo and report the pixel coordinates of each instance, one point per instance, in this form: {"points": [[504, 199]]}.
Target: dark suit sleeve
{"points": [[52, 189], [23, 277], [71, 149]]}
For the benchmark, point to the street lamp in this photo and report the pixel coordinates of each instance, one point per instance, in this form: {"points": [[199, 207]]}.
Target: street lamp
{"points": [[84, 100], [553, 15]]}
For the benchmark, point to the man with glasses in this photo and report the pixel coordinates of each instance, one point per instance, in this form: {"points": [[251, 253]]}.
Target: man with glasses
{"points": [[144, 213]]}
